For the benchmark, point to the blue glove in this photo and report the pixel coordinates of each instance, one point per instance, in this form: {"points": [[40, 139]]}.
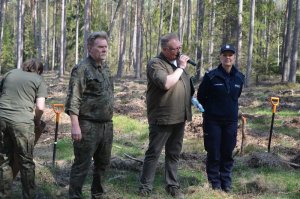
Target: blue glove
{"points": [[197, 104]]}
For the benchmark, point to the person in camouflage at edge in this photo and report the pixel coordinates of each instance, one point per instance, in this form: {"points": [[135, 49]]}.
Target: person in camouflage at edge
{"points": [[90, 106], [20, 91]]}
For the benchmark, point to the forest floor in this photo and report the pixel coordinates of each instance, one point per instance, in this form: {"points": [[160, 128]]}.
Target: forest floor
{"points": [[130, 102]]}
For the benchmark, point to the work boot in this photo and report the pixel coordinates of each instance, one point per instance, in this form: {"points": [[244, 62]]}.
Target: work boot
{"points": [[175, 192], [144, 192]]}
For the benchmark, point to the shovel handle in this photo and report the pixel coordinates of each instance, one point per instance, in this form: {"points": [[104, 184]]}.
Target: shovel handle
{"points": [[57, 108], [274, 102]]}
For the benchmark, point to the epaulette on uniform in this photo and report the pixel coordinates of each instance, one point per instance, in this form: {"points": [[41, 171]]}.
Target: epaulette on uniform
{"points": [[211, 73]]}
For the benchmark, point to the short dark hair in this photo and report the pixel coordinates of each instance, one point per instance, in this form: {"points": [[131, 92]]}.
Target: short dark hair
{"points": [[95, 35], [33, 65], [166, 38]]}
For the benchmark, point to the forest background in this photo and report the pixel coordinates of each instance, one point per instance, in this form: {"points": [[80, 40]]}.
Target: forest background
{"points": [[265, 33], [266, 36]]}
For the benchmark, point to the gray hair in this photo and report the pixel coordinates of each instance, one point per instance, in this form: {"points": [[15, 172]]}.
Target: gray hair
{"points": [[95, 35], [166, 38]]}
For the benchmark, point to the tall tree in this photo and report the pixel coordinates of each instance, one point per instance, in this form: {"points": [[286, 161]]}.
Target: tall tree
{"points": [[54, 34], [171, 16], [250, 44], [20, 48], [295, 47], [87, 9], [112, 22], [2, 19], [161, 21], [62, 38], [138, 64], [180, 20], [239, 34], [39, 30], [287, 44], [199, 36], [122, 43], [211, 29], [47, 36], [133, 25], [189, 22], [77, 30]]}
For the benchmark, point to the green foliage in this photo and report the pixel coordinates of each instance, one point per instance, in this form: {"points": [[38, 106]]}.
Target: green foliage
{"points": [[7, 58]]}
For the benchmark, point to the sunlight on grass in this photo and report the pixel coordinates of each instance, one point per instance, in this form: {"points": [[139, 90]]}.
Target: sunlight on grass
{"points": [[128, 125], [65, 149]]}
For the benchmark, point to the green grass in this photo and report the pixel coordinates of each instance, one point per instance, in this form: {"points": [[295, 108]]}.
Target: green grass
{"points": [[65, 149]]}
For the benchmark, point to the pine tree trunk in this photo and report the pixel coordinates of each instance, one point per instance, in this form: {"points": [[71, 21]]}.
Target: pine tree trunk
{"points": [[62, 38], [86, 25], [54, 35], [250, 44], [287, 58], [161, 20], [239, 35], [20, 39], [294, 54]]}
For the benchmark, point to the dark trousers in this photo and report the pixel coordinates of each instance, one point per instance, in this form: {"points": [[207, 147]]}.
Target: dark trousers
{"points": [[170, 136], [219, 142], [96, 143]]}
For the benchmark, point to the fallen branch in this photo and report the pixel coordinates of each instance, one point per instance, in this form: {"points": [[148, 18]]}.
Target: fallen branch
{"points": [[132, 158]]}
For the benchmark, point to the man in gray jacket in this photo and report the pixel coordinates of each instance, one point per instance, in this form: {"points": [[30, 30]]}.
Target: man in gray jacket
{"points": [[169, 92]]}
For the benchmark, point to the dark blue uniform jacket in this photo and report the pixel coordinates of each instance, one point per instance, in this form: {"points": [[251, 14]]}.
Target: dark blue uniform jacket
{"points": [[219, 92]]}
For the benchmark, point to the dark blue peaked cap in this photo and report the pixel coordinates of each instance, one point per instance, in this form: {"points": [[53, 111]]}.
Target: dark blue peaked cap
{"points": [[227, 47]]}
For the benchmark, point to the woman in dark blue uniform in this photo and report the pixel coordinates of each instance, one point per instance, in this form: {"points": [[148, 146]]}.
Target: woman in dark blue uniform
{"points": [[218, 93]]}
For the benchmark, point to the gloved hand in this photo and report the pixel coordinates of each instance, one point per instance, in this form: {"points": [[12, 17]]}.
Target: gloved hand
{"points": [[197, 104]]}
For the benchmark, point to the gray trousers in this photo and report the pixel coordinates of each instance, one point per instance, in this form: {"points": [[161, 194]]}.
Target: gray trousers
{"points": [[170, 136]]}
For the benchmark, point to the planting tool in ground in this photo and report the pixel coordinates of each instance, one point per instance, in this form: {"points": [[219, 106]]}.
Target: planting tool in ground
{"points": [[275, 103], [244, 121], [57, 108]]}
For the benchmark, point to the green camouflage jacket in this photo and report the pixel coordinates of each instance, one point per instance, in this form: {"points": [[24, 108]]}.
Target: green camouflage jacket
{"points": [[90, 93]]}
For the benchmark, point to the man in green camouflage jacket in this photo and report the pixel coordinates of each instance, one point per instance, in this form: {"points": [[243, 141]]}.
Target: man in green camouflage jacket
{"points": [[22, 101], [90, 106]]}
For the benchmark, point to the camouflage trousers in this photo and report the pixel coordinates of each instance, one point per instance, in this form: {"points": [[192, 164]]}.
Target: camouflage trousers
{"points": [[96, 143], [18, 139]]}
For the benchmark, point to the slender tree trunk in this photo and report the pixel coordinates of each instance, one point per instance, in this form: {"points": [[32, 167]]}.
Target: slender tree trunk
{"points": [[20, 39], [54, 35], [77, 31], [47, 36], [287, 47], [2, 21], [180, 20], [267, 45], [133, 25], [112, 22], [250, 44], [294, 55], [239, 35], [139, 40], [62, 38], [161, 21], [171, 16], [86, 25], [189, 23], [123, 36], [199, 39], [211, 28], [39, 33]]}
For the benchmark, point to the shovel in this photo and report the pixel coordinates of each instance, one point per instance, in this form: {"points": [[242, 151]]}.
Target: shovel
{"points": [[57, 108], [275, 103]]}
